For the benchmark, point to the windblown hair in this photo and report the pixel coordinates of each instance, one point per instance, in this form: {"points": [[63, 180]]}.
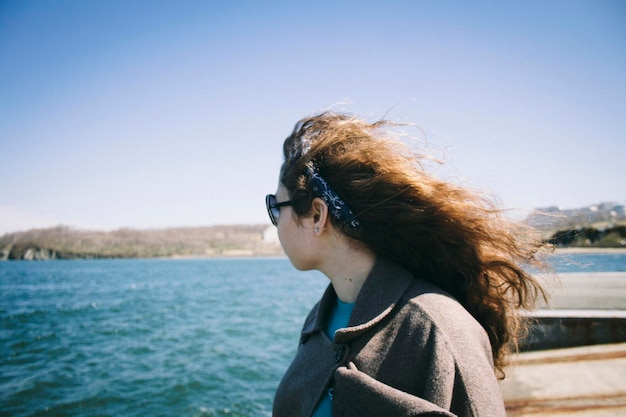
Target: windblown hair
{"points": [[441, 232]]}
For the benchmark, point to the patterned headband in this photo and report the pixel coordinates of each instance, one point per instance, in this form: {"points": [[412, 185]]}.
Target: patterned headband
{"points": [[338, 208]]}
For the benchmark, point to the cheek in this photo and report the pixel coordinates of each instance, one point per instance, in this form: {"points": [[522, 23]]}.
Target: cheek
{"points": [[295, 248], [284, 239], [288, 246], [283, 232]]}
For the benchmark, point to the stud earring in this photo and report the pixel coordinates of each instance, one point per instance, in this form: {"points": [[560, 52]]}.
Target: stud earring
{"points": [[317, 230]]}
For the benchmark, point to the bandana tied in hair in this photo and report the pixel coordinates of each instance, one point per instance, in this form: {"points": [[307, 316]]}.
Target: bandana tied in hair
{"points": [[338, 208]]}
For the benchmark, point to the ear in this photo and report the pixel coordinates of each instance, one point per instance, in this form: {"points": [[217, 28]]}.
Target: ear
{"points": [[319, 211]]}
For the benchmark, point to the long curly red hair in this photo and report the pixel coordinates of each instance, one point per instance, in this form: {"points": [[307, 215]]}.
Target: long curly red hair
{"points": [[441, 232]]}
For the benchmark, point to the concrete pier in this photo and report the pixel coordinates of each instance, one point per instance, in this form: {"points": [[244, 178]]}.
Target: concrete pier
{"points": [[587, 381], [554, 329], [587, 291], [576, 363]]}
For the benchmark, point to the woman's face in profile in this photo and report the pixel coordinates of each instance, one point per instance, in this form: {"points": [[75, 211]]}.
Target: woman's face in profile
{"points": [[295, 235]]}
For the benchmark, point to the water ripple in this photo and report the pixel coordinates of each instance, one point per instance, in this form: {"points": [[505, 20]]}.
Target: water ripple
{"points": [[148, 337]]}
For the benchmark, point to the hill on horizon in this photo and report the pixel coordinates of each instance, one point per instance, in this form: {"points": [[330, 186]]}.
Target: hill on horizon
{"points": [[599, 225], [63, 242]]}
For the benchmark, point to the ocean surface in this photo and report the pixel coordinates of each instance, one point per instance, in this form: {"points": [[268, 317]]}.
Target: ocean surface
{"points": [[160, 337]]}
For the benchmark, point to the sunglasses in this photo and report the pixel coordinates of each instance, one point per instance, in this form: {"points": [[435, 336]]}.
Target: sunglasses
{"points": [[273, 207]]}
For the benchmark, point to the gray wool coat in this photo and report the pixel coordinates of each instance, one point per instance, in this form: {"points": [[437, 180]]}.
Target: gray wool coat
{"points": [[409, 350]]}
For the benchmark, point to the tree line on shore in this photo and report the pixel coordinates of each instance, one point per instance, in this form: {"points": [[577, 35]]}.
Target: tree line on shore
{"points": [[590, 237], [63, 242]]}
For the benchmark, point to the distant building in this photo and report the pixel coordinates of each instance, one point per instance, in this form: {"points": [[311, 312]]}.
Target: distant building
{"points": [[554, 216]]}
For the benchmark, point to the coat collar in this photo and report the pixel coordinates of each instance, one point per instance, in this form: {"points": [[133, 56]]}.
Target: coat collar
{"points": [[384, 287]]}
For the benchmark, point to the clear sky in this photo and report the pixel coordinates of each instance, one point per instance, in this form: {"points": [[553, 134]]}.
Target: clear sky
{"points": [[152, 114]]}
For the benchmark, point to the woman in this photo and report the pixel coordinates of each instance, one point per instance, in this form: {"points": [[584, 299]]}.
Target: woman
{"points": [[425, 279]]}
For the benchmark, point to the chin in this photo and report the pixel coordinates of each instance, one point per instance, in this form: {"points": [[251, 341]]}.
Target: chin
{"points": [[301, 265]]}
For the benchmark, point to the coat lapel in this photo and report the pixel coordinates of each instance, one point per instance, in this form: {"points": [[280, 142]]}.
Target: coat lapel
{"points": [[383, 288]]}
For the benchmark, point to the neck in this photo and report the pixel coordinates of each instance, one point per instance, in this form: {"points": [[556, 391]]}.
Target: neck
{"points": [[348, 269]]}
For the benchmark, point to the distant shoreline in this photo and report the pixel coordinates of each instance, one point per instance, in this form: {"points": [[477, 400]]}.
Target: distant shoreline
{"points": [[237, 241], [590, 250]]}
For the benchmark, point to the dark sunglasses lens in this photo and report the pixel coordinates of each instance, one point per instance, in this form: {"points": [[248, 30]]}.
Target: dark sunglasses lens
{"points": [[275, 210], [275, 214], [272, 210]]}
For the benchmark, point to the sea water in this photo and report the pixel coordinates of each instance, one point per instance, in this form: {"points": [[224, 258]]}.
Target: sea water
{"points": [[148, 337], [161, 337]]}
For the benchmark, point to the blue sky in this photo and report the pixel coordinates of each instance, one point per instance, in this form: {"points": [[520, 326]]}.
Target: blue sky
{"points": [[151, 114]]}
